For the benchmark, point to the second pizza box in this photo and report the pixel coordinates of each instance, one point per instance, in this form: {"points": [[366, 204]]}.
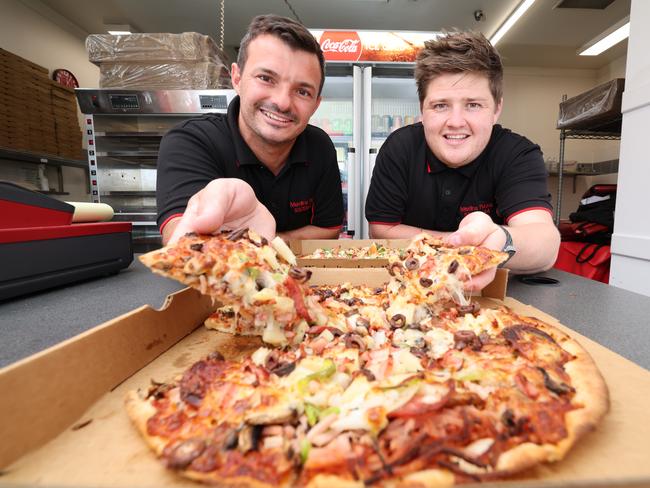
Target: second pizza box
{"points": [[64, 424], [309, 246]]}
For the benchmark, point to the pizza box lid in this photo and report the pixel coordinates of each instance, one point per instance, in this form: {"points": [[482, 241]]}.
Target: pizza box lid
{"points": [[69, 427]]}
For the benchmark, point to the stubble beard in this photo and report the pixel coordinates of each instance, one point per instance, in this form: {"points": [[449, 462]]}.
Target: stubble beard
{"points": [[256, 125]]}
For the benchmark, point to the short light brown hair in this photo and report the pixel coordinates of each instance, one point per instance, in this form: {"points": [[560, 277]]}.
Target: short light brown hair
{"points": [[459, 52], [289, 31]]}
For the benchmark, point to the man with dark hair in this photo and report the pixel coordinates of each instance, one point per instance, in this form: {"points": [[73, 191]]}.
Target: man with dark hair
{"points": [[261, 165], [458, 174]]}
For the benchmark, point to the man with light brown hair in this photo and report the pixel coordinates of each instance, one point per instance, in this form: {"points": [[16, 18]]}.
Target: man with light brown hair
{"points": [[458, 174], [260, 165]]}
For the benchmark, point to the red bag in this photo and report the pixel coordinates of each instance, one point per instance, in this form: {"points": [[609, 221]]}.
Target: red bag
{"points": [[585, 232], [590, 260]]}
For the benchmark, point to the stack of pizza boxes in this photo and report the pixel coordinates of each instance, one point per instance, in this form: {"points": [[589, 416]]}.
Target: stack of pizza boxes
{"points": [[37, 114]]}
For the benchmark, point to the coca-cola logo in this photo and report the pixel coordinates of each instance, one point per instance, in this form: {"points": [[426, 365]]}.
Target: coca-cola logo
{"points": [[344, 46], [341, 45]]}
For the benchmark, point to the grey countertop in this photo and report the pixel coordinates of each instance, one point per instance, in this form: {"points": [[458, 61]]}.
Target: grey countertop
{"points": [[615, 318]]}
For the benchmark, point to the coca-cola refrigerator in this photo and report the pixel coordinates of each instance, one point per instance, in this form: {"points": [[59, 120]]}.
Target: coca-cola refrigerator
{"points": [[369, 92]]}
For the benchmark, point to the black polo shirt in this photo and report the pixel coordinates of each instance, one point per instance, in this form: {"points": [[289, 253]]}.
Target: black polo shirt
{"points": [[411, 186], [306, 191]]}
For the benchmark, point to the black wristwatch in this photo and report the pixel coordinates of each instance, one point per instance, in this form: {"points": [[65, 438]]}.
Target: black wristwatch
{"points": [[508, 247]]}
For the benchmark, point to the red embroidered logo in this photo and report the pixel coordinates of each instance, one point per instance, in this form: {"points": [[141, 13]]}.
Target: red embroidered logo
{"points": [[301, 205], [481, 207]]}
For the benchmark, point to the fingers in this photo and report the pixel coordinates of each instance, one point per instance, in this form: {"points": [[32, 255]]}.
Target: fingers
{"points": [[186, 223], [224, 203], [259, 219], [473, 230]]}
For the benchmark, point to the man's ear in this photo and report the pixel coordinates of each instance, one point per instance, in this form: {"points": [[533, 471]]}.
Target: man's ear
{"points": [[235, 76], [497, 110]]}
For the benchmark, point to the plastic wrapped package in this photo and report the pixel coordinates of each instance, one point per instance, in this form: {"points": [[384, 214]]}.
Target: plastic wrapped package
{"points": [[188, 46], [598, 109], [158, 61], [164, 76]]}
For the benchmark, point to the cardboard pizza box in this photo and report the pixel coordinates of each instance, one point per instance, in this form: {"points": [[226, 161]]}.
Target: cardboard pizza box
{"points": [[63, 421], [308, 246]]}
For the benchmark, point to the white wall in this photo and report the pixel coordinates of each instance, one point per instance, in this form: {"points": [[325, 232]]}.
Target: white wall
{"points": [[531, 105], [615, 69], [29, 34], [630, 267]]}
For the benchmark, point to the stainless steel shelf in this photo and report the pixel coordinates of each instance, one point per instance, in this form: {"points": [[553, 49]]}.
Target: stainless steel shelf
{"points": [[129, 193], [587, 134], [128, 154], [608, 130], [30, 157], [129, 134]]}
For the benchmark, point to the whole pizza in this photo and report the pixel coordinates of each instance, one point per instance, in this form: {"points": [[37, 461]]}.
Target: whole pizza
{"points": [[407, 384]]}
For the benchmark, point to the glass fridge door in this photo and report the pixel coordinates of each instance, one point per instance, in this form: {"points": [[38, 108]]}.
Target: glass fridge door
{"points": [[390, 102], [335, 115]]}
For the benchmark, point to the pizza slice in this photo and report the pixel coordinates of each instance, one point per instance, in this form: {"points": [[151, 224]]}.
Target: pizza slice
{"points": [[433, 271], [256, 278]]}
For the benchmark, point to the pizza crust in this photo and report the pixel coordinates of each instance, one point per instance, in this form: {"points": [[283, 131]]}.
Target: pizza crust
{"points": [[139, 411], [590, 391]]}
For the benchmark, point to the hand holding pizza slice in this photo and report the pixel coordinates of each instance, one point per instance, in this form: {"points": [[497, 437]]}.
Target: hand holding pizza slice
{"points": [[432, 270]]}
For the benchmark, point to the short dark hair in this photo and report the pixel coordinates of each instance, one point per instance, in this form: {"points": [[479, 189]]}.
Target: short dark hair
{"points": [[458, 52], [291, 32]]}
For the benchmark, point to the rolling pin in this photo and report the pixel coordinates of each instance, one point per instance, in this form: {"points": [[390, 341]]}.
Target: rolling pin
{"points": [[91, 212]]}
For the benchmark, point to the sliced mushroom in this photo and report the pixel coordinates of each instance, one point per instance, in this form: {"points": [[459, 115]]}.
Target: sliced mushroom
{"points": [[216, 356], [467, 338], [395, 268], [237, 234], [299, 274], [472, 308], [552, 385], [276, 414], [362, 322], [249, 438], [257, 239], [354, 340], [412, 263], [158, 390], [283, 369], [184, 453], [397, 321], [426, 282]]}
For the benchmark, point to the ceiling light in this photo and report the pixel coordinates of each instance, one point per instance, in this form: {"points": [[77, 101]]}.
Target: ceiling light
{"points": [[118, 29], [510, 21], [602, 42]]}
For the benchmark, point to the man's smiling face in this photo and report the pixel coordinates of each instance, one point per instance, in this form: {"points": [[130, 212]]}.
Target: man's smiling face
{"points": [[458, 113], [278, 88]]}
